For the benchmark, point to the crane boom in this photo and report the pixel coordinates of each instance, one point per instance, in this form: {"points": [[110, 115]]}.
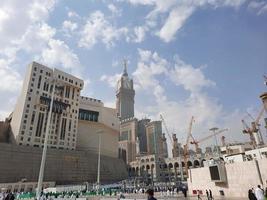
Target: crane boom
{"points": [[246, 127], [189, 134], [186, 146], [166, 128], [212, 135]]}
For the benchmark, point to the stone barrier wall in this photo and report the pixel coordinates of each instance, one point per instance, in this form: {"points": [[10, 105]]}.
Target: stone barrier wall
{"points": [[62, 166], [241, 177]]}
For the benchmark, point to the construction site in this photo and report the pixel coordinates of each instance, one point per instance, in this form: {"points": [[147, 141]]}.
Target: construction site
{"points": [[229, 169]]}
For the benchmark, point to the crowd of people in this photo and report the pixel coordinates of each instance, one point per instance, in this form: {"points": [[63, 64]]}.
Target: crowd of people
{"points": [[7, 196], [257, 194], [253, 194]]}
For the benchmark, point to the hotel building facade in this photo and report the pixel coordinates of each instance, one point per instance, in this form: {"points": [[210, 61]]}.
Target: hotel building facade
{"points": [[30, 115]]}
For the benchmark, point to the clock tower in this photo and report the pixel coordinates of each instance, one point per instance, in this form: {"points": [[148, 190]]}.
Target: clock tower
{"points": [[125, 95]]}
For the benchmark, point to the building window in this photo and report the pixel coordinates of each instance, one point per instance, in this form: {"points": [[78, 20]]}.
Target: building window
{"points": [[73, 92], [39, 82], [88, 115], [39, 124], [33, 117], [67, 92], [69, 125], [63, 129]]}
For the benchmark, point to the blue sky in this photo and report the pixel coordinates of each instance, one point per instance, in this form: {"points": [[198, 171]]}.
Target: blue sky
{"points": [[204, 58]]}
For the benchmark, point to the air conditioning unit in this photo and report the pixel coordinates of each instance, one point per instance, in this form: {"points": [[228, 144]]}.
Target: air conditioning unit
{"points": [[217, 172]]}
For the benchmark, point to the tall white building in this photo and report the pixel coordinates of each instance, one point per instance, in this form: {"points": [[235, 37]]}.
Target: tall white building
{"points": [[30, 115], [125, 96]]}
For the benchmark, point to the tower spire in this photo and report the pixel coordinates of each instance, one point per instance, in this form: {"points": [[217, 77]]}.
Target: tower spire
{"points": [[125, 68]]}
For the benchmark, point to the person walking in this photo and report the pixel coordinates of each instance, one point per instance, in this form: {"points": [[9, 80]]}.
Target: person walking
{"points": [[198, 195], [251, 195], [259, 193], [207, 194], [184, 191], [211, 197], [150, 194]]}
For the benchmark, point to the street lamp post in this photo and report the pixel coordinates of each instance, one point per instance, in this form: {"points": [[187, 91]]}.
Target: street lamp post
{"points": [[99, 158], [180, 163], [156, 154], [41, 172]]}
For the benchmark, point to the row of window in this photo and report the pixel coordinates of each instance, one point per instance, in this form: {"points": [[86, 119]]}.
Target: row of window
{"points": [[59, 90], [70, 80], [53, 147], [88, 115], [59, 76]]}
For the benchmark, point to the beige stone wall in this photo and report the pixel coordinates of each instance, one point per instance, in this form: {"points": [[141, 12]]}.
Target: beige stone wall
{"points": [[263, 168], [4, 132], [62, 166], [87, 138], [240, 178]]}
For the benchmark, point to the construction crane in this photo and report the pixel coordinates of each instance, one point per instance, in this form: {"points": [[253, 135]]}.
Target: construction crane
{"points": [[196, 142], [166, 128], [255, 124], [186, 146], [247, 130], [173, 143], [255, 127]]}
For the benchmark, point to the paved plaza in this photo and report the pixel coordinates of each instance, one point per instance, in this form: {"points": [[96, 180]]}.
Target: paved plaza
{"points": [[160, 197]]}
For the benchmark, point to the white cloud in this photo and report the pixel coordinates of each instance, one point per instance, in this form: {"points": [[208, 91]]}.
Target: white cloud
{"points": [[98, 28], [36, 37], [139, 34], [16, 17], [259, 6], [111, 80], [72, 14], [148, 67], [177, 11], [174, 22], [69, 26], [263, 9], [22, 28], [151, 73], [8, 104], [192, 79], [10, 80], [115, 11], [58, 53], [142, 2]]}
